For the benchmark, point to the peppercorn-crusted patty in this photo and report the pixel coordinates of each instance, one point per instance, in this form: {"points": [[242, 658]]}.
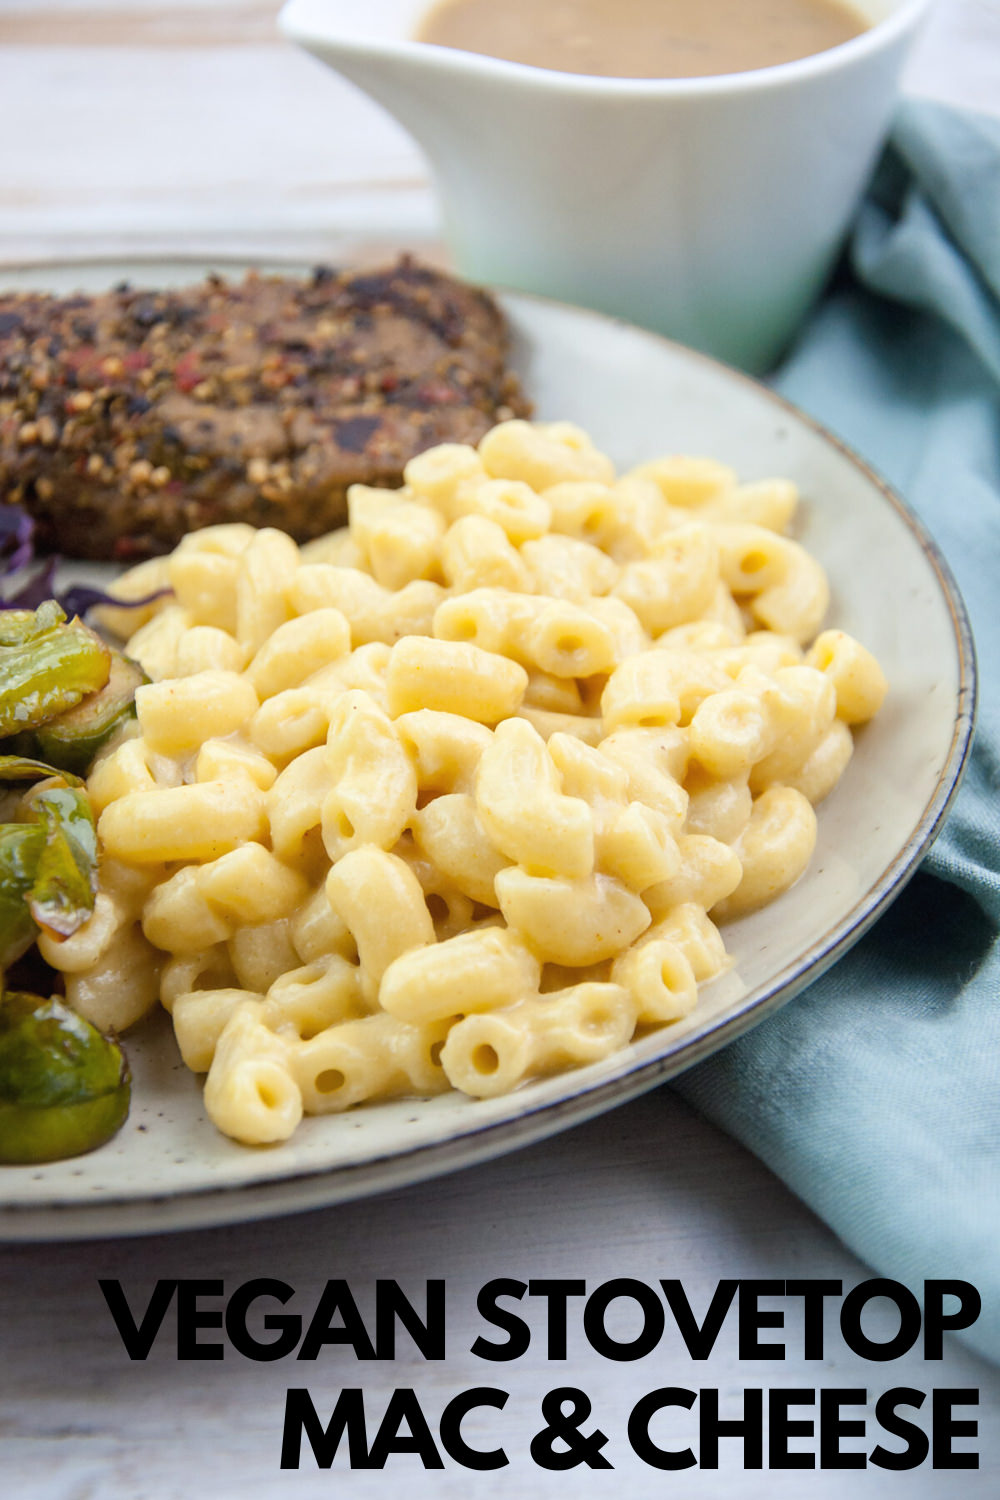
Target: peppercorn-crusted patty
{"points": [[130, 418]]}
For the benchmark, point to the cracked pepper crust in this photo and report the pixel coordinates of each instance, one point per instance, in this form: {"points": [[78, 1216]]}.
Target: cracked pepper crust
{"points": [[130, 418]]}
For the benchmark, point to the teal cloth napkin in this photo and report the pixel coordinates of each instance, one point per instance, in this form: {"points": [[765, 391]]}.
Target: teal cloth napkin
{"points": [[876, 1093]]}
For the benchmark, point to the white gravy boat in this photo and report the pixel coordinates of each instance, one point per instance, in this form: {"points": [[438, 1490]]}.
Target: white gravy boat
{"points": [[710, 209]]}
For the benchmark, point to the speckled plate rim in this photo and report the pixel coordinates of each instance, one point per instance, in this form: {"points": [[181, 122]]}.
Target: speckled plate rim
{"points": [[581, 1098]]}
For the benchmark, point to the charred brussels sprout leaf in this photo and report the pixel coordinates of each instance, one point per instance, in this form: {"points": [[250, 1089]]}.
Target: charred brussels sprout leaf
{"points": [[25, 768], [18, 626], [21, 846], [72, 739], [44, 673], [62, 894], [64, 1088], [48, 868]]}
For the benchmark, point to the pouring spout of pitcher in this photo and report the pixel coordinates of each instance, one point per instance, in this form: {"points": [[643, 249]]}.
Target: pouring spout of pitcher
{"points": [[439, 96], [482, 124]]}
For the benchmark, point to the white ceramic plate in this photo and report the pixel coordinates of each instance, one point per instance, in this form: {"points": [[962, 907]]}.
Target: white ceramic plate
{"points": [[639, 396]]}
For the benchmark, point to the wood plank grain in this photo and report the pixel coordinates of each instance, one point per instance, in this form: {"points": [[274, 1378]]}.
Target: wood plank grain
{"points": [[646, 1192], [248, 23]]}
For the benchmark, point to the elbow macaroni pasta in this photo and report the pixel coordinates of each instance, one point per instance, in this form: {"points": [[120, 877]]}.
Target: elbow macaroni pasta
{"points": [[457, 796]]}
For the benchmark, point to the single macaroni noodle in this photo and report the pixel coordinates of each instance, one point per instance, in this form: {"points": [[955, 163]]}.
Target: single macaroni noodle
{"points": [[457, 796]]}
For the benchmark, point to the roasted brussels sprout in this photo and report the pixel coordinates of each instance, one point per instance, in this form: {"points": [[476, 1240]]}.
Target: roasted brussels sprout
{"points": [[64, 1088], [46, 666]]}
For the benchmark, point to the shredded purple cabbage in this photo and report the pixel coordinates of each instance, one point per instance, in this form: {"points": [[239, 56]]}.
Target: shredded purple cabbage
{"points": [[32, 590], [17, 551], [16, 533]]}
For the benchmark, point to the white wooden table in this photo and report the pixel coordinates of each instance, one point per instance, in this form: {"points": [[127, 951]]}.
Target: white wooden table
{"points": [[134, 127]]}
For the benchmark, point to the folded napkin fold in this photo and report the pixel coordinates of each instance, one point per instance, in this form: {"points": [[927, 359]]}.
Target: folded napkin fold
{"points": [[876, 1093]]}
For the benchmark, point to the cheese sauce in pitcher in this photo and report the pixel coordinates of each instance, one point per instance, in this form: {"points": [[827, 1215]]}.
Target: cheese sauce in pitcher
{"points": [[643, 38]]}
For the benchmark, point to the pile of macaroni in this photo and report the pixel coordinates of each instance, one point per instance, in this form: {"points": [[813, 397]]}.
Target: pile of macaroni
{"points": [[445, 799]]}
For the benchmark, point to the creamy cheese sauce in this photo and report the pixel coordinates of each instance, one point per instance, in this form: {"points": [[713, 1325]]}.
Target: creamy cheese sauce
{"points": [[643, 38]]}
